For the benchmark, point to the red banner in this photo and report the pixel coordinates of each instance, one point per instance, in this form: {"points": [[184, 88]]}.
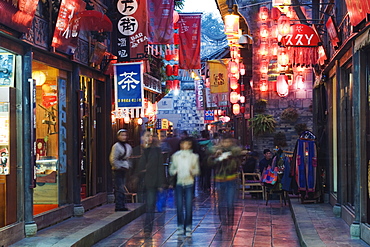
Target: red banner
{"points": [[357, 10], [67, 26], [189, 30], [18, 17], [160, 18]]}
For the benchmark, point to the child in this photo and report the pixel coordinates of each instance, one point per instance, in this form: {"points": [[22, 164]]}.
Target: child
{"points": [[184, 164]]}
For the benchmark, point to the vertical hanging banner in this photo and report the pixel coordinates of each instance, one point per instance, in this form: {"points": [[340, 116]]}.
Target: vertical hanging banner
{"points": [[199, 85], [160, 18], [189, 31], [129, 30], [19, 15], [218, 79], [67, 26], [128, 85]]}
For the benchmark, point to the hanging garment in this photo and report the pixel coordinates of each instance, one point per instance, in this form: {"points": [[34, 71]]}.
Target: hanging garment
{"points": [[306, 165]]}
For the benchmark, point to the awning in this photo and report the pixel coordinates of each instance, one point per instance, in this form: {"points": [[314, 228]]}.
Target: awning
{"points": [[92, 20]]}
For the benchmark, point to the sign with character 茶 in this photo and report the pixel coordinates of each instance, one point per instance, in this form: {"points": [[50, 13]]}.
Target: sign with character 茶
{"points": [[128, 85]]}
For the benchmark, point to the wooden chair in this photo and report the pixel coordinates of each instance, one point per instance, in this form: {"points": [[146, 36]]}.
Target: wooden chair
{"points": [[251, 183], [130, 196]]}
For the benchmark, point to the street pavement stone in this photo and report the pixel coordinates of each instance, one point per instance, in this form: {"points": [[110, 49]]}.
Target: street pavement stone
{"points": [[256, 225]]}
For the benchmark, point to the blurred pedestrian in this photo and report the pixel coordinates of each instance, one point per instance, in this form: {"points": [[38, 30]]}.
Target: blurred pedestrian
{"points": [[185, 165], [205, 145], [226, 162], [119, 159], [152, 169]]}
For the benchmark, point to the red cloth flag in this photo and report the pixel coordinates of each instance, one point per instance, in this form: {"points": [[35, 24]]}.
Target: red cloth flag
{"points": [[189, 30], [160, 18], [67, 26], [18, 17]]}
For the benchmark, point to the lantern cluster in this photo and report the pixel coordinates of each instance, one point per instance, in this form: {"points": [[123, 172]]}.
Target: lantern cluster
{"points": [[172, 58], [274, 24], [235, 66]]}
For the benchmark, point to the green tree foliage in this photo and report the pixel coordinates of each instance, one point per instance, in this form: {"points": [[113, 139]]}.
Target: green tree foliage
{"points": [[262, 124]]}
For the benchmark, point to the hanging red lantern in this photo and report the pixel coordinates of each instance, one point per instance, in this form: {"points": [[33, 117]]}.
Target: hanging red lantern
{"points": [[169, 84], [175, 16], [264, 13], [299, 80], [175, 70], [263, 86], [232, 24], [168, 57], [176, 38], [236, 109], [234, 97], [283, 25], [282, 87], [275, 13], [176, 84], [264, 31], [168, 70], [242, 108], [233, 67], [242, 68], [264, 67], [283, 58], [234, 83], [264, 49]]}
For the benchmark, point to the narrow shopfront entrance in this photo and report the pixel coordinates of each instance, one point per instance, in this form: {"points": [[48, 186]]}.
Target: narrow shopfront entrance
{"points": [[346, 144]]}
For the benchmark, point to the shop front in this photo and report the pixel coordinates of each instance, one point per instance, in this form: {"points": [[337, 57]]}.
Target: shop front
{"points": [[50, 137], [8, 172]]}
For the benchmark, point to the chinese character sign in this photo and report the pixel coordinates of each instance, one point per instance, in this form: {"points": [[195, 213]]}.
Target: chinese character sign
{"points": [[189, 32], [129, 34], [218, 76], [67, 26], [128, 85], [160, 18]]}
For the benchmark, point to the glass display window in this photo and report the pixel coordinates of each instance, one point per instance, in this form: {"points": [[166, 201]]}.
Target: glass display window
{"points": [[46, 191]]}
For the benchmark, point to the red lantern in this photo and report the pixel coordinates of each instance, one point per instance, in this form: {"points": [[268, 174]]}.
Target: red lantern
{"points": [[299, 80], [234, 97], [176, 38], [168, 70], [233, 67], [264, 31], [242, 108], [175, 16], [169, 84], [242, 68], [264, 13], [263, 86], [234, 83], [283, 58], [282, 87], [263, 49], [275, 13], [176, 84], [175, 69], [283, 25], [232, 24], [264, 67], [168, 57], [236, 109]]}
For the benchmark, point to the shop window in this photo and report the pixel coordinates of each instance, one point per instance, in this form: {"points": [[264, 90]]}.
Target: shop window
{"points": [[47, 137]]}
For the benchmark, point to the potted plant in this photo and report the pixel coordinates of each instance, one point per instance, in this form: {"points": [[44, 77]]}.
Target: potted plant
{"points": [[290, 115], [260, 106], [300, 128], [262, 124], [280, 139]]}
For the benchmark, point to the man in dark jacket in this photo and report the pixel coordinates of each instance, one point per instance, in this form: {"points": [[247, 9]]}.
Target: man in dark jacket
{"points": [[266, 161]]}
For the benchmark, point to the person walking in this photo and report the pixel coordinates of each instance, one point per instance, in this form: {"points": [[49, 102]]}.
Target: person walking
{"points": [[226, 162], [151, 168], [119, 159], [184, 165]]}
